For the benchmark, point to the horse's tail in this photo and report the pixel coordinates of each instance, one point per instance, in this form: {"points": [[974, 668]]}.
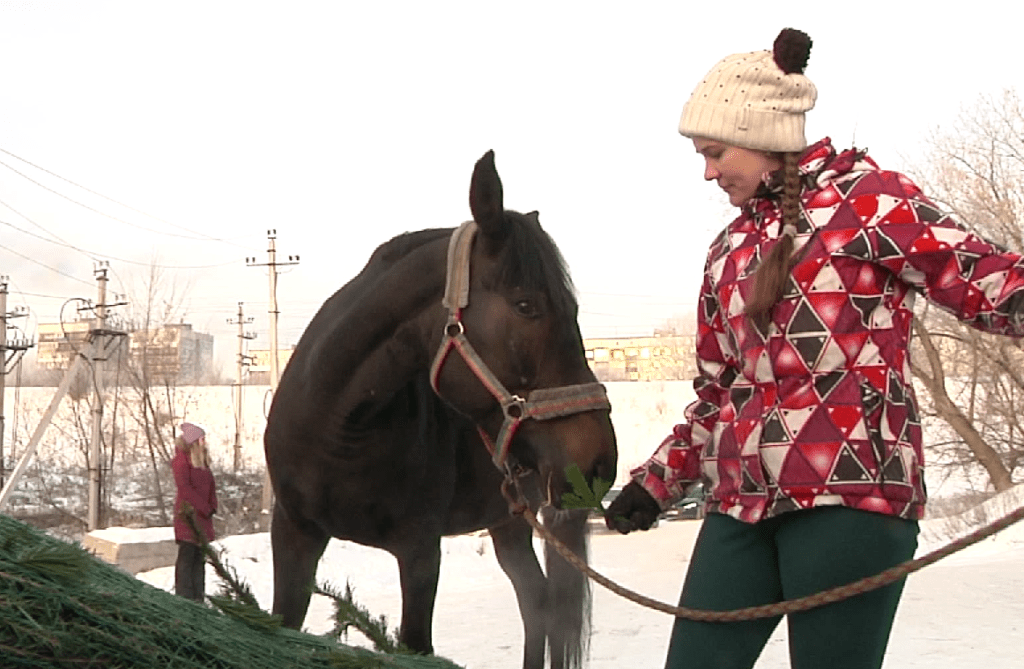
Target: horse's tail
{"points": [[569, 593]]}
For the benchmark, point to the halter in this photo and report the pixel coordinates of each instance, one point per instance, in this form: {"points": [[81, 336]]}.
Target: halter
{"points": [[540, 404]]}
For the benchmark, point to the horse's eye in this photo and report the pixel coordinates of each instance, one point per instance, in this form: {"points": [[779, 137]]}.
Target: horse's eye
{"points": [[526, 309]]}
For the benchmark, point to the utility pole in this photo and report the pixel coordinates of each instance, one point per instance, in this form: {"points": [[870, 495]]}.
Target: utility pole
{"points": [[95, 458], [37, 435], [14, 346], [101, 337], [243, 361], [273, 264]]}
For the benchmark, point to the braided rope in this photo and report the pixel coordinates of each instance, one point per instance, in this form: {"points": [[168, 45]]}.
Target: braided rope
{"points": [[779, 608]]}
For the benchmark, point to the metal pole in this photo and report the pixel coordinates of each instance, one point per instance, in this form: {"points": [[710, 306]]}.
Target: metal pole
{"points": [[95, 451], [240, 366], [238, 390], [3, 370], [6, 347], [267, 500], [272, 264], [37, 436], [274, 372]]}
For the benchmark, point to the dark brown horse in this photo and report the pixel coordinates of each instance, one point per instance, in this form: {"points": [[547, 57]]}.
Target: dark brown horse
{"points": [[449, 353]]}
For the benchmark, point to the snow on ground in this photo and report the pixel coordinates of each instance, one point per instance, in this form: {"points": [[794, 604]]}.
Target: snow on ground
{"points": [[965, 611], [643, 413]]}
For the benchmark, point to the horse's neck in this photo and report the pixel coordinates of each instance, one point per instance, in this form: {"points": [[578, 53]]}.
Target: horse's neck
{"points": [[386, 333]]}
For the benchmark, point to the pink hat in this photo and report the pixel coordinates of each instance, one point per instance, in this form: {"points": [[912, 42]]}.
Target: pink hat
{"points": [[190, 433]]}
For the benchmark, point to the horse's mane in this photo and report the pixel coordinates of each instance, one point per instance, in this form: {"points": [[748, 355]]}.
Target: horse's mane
{"points": [[398, 247], [345, 334], [532, 261]]}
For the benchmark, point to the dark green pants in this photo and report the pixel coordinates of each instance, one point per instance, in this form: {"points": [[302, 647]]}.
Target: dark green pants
{"points": [[736, 564], [190, 571]]}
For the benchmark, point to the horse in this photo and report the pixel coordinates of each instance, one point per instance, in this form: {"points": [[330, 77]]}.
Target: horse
{"points": [[420, 398]]}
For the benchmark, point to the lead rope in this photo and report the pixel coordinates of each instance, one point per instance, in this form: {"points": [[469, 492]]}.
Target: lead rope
{"points": [[766, 610]]}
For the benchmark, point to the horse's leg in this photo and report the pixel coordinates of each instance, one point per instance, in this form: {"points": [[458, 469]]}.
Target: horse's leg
{"points": [[569, 593], [296, 552], [419, 565], [513, 546]]}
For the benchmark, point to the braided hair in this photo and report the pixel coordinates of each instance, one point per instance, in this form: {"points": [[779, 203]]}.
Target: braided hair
{"points": [[771, 275], [791, 51]]}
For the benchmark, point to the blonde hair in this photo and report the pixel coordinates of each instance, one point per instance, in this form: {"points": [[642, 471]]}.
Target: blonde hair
{"points": [[198, 453], [771, 275]]}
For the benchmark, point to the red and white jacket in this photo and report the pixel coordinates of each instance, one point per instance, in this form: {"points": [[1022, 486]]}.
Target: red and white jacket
{"points": [[820, 409]]}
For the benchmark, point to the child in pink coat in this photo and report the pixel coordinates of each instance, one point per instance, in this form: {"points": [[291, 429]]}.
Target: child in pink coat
{"points": [[196, 495]]}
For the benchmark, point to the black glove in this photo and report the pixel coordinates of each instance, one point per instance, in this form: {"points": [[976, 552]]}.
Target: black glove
{"points": [[632, 509]]}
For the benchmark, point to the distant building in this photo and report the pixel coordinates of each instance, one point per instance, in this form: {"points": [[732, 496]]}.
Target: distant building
{"points": [[172, 353], [57, 343], [658, 358], [259, 367]]}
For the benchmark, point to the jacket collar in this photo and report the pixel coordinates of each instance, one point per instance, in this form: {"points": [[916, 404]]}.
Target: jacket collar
{"points": [[818, 164]]}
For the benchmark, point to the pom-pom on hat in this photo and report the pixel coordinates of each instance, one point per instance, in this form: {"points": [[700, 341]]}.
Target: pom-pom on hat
{"points": [[190, 433], [755, 100]]}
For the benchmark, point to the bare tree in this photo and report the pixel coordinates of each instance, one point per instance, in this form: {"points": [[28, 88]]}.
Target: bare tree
{"points": [[975, 170], [151, 394], [963, 422]]}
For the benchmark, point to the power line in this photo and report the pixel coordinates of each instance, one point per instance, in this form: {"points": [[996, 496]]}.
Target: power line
{"points": [[49, 297], [93, 209], [194, 235], [33, 223], [52, 269], [92, 255]]}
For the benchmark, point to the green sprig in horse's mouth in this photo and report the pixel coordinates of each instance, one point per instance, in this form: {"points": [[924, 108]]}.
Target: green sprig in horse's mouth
{"points": [[582, 495]]}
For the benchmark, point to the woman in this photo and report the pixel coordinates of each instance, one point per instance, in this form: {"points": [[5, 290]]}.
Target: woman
{"points": [[196, 496], [806, 429]]}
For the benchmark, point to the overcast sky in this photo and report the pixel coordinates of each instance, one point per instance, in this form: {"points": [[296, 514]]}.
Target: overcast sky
{"points": [[178, 133]]}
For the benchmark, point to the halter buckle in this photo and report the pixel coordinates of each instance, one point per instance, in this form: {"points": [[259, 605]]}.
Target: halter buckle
{"points": [[514, 408], [454, 328]]}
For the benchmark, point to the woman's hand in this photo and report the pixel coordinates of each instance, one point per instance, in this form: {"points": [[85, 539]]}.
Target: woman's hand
{"points": [[633, 509]]}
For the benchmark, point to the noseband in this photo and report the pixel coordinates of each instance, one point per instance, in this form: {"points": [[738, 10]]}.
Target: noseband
{"points": [[540, 404]]}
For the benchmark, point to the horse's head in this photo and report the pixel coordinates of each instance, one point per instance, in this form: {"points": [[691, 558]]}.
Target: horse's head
{"points": [[521, 373]]}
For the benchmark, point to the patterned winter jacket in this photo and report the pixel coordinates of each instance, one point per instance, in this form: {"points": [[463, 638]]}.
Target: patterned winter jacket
{"points": [[820, 410]]}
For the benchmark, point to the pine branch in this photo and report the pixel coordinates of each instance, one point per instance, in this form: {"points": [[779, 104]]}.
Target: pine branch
{"points": [[347, 613], [105, 617], [235, 597]]}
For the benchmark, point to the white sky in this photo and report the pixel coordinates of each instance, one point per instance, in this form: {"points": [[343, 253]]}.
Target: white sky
{"points": [[341, 124]]}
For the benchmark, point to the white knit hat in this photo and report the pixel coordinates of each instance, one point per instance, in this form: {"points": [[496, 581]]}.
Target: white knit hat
{"points": [[755, 100]]}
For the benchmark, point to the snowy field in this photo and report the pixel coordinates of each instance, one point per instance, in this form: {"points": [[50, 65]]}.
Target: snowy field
{"points": [[966, 611], [643, 413]]}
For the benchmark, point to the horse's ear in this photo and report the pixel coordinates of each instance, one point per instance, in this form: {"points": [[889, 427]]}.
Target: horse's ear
{"points": [[486, 199]]}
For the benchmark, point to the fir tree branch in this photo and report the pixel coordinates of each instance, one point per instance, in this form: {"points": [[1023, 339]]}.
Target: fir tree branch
{"points": [[347, 613]]}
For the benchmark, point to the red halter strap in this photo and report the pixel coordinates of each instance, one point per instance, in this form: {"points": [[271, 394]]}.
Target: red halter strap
{"points": [[540, 404]]}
